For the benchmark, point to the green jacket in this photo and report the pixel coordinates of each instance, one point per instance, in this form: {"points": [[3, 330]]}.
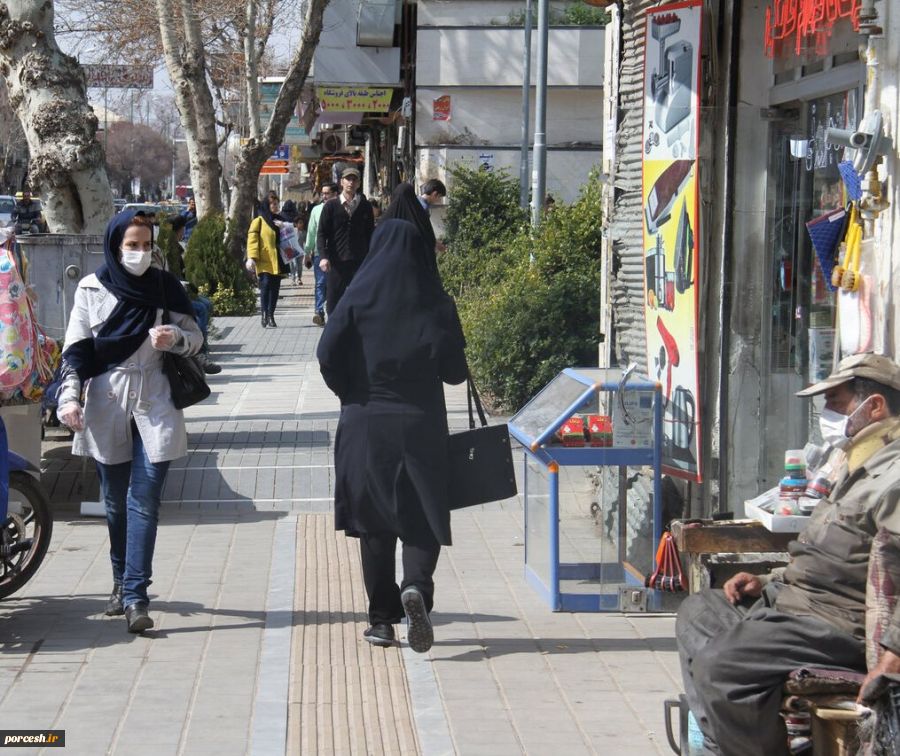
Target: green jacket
{"points": [[312, 230]]}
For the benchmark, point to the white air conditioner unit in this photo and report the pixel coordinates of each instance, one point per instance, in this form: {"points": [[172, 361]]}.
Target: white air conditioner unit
{"points": [[331, 143]]}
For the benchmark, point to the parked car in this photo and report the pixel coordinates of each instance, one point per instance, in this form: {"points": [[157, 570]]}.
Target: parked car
{"points": [[119, 203], [7, 203], [144, 207]]}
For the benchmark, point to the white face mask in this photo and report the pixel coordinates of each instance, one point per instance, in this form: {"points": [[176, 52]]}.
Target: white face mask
{"points": [[833, 426], [135, 261]]}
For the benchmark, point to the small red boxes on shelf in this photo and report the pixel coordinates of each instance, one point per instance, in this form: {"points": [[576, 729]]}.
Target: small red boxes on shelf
{"points": [[571, 433], [600, 430]]}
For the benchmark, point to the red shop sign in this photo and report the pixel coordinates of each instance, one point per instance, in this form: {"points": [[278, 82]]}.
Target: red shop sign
{"points": [[805, 21]]}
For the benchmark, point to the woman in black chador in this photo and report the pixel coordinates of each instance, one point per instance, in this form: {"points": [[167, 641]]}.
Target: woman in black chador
{"points": [[391, 341], [405, 205]]}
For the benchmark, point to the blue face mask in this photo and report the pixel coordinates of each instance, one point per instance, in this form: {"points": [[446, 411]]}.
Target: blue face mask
{"points": [[833, 426]]}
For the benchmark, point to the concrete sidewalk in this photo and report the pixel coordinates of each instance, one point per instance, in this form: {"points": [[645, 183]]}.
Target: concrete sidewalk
{"points": [[259, 607]]}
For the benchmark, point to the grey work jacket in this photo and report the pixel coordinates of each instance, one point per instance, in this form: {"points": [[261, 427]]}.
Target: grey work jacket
{"points": [[136, 388], [827, 575]]}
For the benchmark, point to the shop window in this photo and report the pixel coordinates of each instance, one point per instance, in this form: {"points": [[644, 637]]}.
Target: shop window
{"points": [[804, 183]]}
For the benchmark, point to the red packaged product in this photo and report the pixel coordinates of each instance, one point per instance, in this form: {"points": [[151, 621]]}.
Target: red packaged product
{"points": [[600, 430], [571, 433]]}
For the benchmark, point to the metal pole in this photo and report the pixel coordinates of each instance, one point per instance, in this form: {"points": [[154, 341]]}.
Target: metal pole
{"points": [[539, 171], [526, 109]]}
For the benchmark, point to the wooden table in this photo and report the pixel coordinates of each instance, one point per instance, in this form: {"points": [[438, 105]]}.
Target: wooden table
{"points": [[714, 550]]}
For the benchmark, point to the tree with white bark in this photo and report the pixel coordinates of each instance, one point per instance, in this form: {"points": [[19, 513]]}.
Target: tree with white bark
{"points": [[191, 35], [47, 92]]}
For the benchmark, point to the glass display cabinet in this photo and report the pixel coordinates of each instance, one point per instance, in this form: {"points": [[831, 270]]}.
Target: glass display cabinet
{"points": [[589, 418]]}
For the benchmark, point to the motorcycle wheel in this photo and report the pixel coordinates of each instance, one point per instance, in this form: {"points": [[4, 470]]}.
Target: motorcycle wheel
{"points": [[29, 517]]}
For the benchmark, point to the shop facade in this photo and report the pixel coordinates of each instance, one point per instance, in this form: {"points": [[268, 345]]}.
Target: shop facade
{"points": [[771, 78]]}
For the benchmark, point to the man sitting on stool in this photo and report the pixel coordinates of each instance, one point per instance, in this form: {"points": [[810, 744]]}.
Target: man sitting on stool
{"points": [[736, 656]]}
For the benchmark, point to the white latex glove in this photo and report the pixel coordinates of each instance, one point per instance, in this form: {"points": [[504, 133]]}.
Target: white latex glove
{"points": [[324, 266], [250, 265], [71, 415], [164, 337]]}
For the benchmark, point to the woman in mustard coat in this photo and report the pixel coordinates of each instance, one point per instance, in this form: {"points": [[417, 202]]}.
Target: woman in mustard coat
{"points": [[263, 259]]}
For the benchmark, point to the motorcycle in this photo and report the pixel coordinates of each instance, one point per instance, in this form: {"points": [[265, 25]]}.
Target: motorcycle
{"points": [[26, 523]]}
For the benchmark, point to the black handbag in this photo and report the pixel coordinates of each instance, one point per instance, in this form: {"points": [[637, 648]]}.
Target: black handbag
{"points": [[187, 380], [480, 463]]}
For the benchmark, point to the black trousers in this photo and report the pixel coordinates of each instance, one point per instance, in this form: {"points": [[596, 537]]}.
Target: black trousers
{"points": [[735, 660], [337, 280], [269, 286], [378, 552]]}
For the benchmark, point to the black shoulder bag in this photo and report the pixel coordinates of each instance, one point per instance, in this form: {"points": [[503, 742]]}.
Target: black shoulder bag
{"points": [[186, 377], [480, 460]]}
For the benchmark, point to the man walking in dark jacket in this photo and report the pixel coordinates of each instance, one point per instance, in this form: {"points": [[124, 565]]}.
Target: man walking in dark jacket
{"points": [[342, 243]]}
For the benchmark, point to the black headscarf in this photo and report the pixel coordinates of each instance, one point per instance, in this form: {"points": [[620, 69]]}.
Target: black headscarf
{"points": [[265, 212], [405, 205], [397, 309], [289, 211], [123, 332]]}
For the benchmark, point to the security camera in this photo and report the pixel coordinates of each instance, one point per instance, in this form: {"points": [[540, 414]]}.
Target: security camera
{"points": [[868, 141]]}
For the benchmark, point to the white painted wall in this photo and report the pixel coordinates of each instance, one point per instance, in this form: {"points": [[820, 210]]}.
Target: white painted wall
{"points": [[567, 170], [495, 116], [339, 61], [472, 12], [493, 57]]}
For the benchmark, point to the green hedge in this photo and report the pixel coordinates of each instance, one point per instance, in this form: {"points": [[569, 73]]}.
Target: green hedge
{"points": [[534, 307], [216, 273]]}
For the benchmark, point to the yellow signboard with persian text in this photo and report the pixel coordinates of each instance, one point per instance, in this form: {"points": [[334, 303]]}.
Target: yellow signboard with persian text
{"points": [[355, 99]]}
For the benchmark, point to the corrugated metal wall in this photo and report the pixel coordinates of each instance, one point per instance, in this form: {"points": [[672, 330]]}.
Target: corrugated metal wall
{"points": [[625, 229]]}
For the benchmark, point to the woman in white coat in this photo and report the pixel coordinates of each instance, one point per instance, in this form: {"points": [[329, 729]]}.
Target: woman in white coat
{"points": [[127, 422]]}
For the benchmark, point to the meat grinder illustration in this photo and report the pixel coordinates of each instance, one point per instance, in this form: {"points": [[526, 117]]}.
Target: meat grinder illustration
{"points": [[672, 79]]}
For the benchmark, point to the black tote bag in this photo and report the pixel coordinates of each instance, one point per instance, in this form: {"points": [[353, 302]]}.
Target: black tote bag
{"points": [[187, 380], [480, 463]]}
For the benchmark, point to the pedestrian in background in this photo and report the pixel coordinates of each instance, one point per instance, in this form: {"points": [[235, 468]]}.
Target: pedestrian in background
{"points": [[263, 259], [433, 191], [389, 344], [345, 229], [203, 307], [190, 218], [312, 258], [128, 423]]}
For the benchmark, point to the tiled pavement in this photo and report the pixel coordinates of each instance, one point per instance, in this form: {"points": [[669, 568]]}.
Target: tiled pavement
{"points": [[259, 607]]}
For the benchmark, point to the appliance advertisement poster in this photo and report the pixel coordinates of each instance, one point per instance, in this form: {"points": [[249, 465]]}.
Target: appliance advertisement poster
{"points": [[671, 225]]}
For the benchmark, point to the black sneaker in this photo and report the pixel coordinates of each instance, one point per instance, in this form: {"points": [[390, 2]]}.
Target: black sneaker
{"points": [[319, 319], [381, 634], [419, 633]]}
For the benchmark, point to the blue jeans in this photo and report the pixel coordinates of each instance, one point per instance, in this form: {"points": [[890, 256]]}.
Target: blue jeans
{"points": [[202, 309], [269, 286], [320, 286], [131, 492]]}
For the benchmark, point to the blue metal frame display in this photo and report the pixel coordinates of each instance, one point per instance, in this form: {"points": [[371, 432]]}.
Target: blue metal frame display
{"points": [[552, 457]]}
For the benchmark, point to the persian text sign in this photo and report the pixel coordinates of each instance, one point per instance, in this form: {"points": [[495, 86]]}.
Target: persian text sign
{"points": [[671, 204], [355, 99], [110, 76], [805, 20]]}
